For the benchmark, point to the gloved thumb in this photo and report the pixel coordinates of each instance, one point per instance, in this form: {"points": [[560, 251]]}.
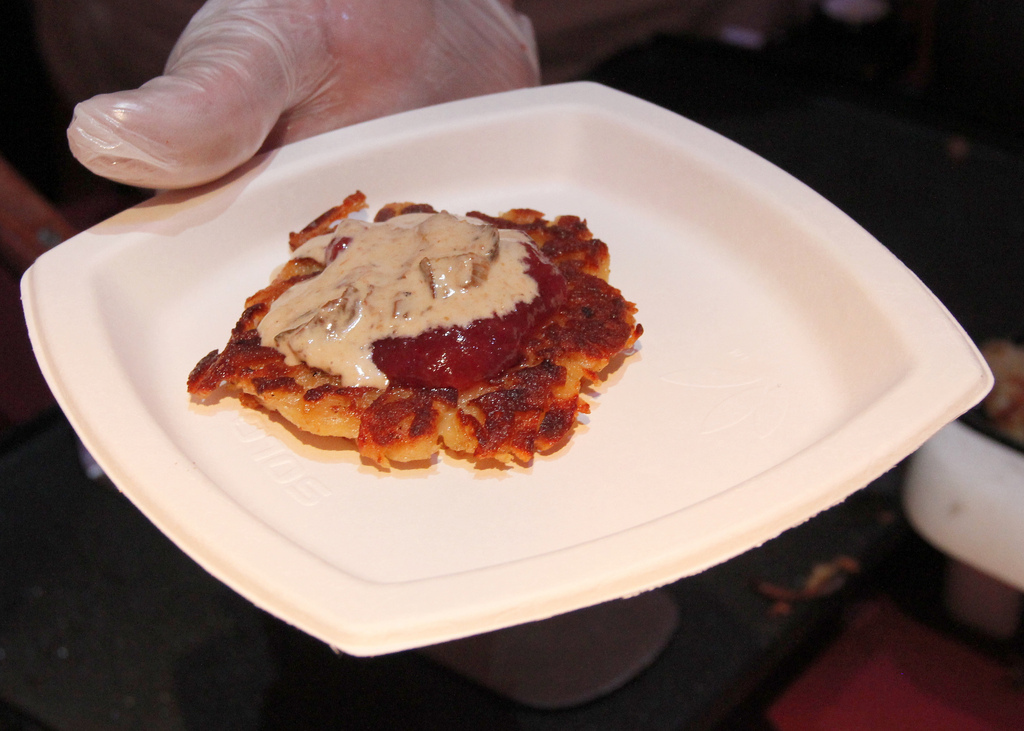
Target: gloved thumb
{"points": [[166, 135], [223, 90], [252, 73]]}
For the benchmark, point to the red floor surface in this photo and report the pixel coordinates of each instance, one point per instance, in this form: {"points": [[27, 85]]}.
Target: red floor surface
{"points": [[887, 671]]}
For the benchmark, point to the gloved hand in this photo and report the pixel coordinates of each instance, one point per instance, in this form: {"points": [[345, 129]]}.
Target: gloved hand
{"points": [[254, 74]]}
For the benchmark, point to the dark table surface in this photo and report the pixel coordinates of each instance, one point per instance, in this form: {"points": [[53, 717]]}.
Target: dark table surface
{"points": [[104, 624]]}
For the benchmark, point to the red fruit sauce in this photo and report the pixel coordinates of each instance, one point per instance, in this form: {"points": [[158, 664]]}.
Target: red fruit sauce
{"points": [[460, 357]]}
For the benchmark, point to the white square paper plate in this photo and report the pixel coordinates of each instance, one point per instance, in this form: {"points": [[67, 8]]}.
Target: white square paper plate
{"points": [[787, 360]]}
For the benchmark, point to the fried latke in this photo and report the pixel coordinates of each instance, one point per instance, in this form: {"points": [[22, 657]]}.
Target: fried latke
{"points": [[1004, 405], [528, 408]]}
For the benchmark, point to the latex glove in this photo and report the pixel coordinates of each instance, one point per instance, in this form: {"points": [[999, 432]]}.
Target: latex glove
{"points": [[252, 74]]}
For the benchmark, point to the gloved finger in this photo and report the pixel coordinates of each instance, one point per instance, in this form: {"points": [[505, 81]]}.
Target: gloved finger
{"points": [[166, 134], [224, 88], [246, 69]]}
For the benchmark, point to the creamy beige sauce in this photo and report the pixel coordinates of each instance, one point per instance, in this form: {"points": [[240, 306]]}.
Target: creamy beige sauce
{"points": [[398, 278]]}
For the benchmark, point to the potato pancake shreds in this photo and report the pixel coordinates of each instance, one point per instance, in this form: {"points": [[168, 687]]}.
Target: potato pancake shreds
{"points": [[528, 407]]}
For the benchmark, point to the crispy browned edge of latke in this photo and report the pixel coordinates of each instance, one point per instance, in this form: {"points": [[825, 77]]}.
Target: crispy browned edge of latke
{"points": [[1003, 406], [531, 408]]}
